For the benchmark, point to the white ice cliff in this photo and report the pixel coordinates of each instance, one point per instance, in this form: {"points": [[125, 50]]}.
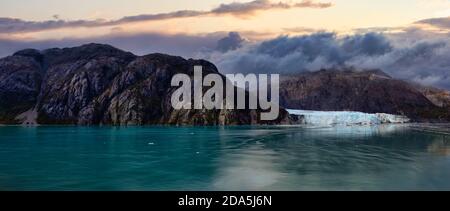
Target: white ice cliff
{"points": [[346, 117]]}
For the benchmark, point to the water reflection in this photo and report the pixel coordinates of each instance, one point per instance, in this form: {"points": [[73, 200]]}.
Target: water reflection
{"points": [[253, 168], [441, 146], [385, 157]]}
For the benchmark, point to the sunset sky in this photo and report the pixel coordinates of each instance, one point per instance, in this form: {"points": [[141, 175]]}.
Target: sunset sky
{"points": [[406, 38], [264, 20]]}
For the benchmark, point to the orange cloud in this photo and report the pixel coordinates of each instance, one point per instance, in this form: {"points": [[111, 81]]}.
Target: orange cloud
{"points": [[12, 25]]}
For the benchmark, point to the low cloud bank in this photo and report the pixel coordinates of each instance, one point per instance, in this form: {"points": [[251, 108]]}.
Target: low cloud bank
{"points": [[423, 60]]}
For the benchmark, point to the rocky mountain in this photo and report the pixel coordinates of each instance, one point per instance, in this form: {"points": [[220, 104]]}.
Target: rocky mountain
{"points": [[438, 97], [98, 84], [366, 91]]}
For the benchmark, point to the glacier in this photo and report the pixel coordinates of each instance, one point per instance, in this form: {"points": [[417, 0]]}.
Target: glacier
{"points": [[346, 117]]}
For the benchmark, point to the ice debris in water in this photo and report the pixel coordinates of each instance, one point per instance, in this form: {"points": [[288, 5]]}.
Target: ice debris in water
{"points": [[346, 117]]}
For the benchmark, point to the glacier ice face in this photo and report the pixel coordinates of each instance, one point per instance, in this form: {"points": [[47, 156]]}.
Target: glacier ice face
{"points": [[391, 118], [346, 117]]}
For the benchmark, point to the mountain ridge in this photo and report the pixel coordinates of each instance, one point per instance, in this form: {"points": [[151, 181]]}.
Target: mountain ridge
{"points": [[96, 84]]}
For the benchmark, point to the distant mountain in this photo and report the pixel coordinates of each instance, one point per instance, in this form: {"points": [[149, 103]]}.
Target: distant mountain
{"points": [[366, 91], [98, 84], [438, 97]]}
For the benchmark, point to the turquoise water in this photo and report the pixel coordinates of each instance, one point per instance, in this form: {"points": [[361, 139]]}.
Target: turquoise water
{"points": [[223, 158]]}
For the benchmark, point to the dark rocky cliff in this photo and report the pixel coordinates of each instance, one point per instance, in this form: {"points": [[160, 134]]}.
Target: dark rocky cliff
{"points": [[98, 84]]}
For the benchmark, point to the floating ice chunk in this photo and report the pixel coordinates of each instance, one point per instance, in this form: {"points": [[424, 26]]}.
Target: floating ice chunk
{"points": [[346, 117]]}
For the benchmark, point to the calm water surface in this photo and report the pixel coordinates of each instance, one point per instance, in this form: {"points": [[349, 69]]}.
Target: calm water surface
{"points": [[223, 158]]}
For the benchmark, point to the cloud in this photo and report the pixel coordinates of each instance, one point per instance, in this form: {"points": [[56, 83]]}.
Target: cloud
{"points": [[302, 30], [290, 54], [231, 42], [420, 62], [443, 23], [13, 25], [370, 44], [379, 29], [249, 8], [404, 56]]}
